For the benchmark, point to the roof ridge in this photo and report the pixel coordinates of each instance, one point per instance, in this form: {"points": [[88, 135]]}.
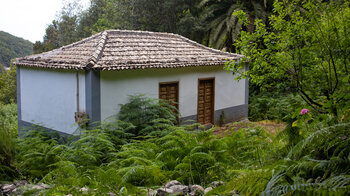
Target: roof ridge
{"points": [[80, 42], [206, 47], [96, 55], [136, 31], [181, 37], [57, 50]]}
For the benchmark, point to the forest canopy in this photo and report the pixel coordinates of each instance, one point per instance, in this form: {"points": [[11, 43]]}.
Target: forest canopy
{"points": [[12, 47], [306, 48], [208, 22]]}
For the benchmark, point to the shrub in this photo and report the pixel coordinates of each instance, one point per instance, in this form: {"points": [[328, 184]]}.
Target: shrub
{"points": [[270, 106], [37, 152], [8, 85], [251, 160], [144, 113], [8, 135], [319, 164]]}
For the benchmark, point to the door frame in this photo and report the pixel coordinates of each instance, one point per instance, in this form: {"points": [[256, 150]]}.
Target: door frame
{"points": [[213, 100]]}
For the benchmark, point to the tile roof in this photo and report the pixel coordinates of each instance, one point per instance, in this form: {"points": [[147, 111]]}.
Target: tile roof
{"points": [[125, 49]]}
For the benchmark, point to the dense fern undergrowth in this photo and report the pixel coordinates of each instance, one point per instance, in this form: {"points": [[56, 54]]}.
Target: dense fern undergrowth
{"points": [[136, 152]]}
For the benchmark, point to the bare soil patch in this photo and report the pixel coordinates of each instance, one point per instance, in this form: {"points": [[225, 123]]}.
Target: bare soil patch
{"points": [[268, 125]]}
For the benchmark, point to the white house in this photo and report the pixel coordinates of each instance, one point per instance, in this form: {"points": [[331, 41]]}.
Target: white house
{"points": [[95, 75]]}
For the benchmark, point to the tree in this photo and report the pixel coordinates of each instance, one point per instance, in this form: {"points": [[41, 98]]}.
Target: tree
{"points": [[63, 30], [190, 22], [2, 68], [51, 37], [173, 16], [8, 90], [308, 46], [223, 27], [90, 17], [206, 21], [151, 15]]}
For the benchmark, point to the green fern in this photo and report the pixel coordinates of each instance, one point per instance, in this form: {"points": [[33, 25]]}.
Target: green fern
{"points": [[143, 112], [319, 164]]}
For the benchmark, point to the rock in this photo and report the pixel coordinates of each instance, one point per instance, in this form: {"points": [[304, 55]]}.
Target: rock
{"points": [[180, 189], [111, 194], [21, 182], [234, 193], [150, 192], [207, 190], [164, 191], [21, 186], [196, 190], [84, 189], [45, 186], [8, 188], [196, 187], [217, 183], [37, 187], [172, 183]]}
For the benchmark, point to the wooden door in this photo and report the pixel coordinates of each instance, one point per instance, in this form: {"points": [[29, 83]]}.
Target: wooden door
{"points": [[206, 94], [170, 91]]}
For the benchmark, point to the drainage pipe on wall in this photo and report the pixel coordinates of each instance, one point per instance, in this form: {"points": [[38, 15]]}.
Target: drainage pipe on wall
{"points": [[77, 76]]}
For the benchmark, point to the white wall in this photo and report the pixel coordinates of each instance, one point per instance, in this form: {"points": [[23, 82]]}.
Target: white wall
{"points": [[48, 97], [116, 85]]}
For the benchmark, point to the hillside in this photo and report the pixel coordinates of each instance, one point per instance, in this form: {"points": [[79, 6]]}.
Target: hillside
{"points": [[12, 47]]}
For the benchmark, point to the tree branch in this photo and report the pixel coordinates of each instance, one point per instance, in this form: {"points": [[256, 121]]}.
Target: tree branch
{"points": [[308, 98]]}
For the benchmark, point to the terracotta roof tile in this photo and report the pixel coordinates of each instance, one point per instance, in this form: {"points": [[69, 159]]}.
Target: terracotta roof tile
{"points": [[125, 49]]}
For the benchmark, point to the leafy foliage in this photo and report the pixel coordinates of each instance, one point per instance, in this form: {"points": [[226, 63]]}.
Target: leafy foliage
{"points": [[250, 182], [223, 25], [318, 164], [250, 160], [8, 90], [273, 106], [2, 68], [37, 163], [307, 45], [188, 156], [8, 135]]}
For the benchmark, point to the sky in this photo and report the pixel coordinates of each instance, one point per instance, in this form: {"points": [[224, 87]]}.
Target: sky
{"points": [[28, 19]]}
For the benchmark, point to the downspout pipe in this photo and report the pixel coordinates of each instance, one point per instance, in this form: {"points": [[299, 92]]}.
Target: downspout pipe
{"points": [[77, 95]]}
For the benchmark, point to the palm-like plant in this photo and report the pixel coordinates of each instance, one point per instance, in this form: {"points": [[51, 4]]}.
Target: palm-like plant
{"points": [[223, 27]]}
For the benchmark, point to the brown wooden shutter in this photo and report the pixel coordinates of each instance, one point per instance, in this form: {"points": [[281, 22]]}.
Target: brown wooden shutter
{"points": [[170, 91], [206, 94]]}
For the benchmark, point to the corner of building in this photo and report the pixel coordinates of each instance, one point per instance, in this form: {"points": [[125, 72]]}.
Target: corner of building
{"points": [[93, 96]]}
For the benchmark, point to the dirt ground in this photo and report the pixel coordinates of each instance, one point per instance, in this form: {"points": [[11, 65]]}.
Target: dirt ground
{"points": [[268, 125]]}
